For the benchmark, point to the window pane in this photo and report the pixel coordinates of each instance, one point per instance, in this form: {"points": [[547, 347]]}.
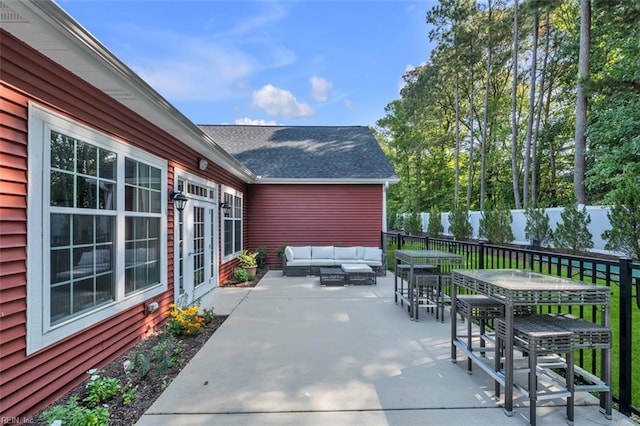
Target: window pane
{"points": [[228, 237], [60, 302], [107, 163], [156, 176], [82, 295], [62, 152], [155, 206], [104, 288], [83, 230], [238, 235], [60, 230], [86, 160], [107, 195], [87, 192], [129, 198], [61, 189], [61, 265], [143, 175], [130, 171]]}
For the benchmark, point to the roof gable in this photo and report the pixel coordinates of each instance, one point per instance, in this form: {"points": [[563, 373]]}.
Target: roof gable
{"points": [[305, 152]]}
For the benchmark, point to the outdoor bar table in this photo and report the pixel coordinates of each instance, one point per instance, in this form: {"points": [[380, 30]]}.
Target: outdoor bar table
{"points": [[518, 288], [420, 260]]}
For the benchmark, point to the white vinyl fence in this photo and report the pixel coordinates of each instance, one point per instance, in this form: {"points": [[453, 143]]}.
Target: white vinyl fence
{"points": [[599, 224]]}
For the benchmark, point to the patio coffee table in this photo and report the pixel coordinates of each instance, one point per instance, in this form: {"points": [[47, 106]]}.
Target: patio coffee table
{"points": [[358, 273], [333, 276]]}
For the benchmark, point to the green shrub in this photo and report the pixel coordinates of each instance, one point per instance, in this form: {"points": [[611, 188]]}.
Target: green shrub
{"points": [[573, 232], [73, 414], [241, 275], [261, 257], [459, 224], [537, 228], [434, 227], [414, 223], [495, 226], [624, 217]]}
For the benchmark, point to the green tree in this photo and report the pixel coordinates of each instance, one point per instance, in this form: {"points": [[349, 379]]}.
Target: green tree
{"points": [[459, 224], [573, 232], [435, 227], [624, 217], [495, 226], [537, 228]]}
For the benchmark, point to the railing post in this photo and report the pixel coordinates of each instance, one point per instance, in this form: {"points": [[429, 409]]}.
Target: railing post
{"points": [[624, 369], [399, 241], [426, 239], [481, 255]]}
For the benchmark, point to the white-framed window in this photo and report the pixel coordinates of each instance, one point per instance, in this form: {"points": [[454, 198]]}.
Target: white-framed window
{"points": [[101, 207], [231, 223]]}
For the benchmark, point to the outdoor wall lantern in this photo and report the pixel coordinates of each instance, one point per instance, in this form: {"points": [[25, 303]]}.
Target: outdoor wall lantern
{"points": [[225, 207], [179, 200]]}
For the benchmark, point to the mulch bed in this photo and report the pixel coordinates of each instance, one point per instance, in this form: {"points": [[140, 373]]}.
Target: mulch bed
{"points": [[151, 385]]}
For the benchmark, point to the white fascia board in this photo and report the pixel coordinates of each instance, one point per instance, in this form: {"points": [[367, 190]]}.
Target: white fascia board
{"points": [[313, 181]]}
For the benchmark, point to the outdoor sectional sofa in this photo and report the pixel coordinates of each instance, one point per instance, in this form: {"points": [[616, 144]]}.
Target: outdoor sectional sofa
{"points": [[307, 260]]}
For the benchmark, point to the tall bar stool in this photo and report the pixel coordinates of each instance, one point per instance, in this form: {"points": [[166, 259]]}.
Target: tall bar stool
{"points": [[538, 339], [427, 291], [588, 335], [480, 309]]}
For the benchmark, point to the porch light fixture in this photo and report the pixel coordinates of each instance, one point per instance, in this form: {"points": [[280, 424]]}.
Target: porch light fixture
{"points": [[225, 207], [179, 200]]}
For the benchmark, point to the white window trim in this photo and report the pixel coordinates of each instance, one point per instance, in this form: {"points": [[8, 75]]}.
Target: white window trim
{"points": [[39, 333], [227, 190]]}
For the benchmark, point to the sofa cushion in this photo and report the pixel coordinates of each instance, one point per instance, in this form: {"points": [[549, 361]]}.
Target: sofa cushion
{"points": [[301, 252], [288, 252], [299, 262], [322, 262], [322, 252], [345, 253], [373, 253]]}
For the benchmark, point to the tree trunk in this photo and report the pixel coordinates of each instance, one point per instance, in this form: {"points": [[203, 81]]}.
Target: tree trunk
{"points": [[532, 102], [514, 105], [485, 119], [581, 107]]}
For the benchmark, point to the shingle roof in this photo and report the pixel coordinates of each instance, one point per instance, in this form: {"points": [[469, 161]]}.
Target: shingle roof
{"points": [[305, 152]]}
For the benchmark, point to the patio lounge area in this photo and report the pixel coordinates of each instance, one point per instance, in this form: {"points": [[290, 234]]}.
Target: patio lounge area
{"points": [[293, 352]]}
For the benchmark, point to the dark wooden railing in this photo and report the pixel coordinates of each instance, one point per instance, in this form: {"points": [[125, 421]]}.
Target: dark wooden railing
{"points": [[621, 275]]}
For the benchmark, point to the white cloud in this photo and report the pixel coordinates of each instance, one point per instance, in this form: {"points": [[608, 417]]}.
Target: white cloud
{"points": [[280, 103], [246, 121], [320, 88], [348, 104]]}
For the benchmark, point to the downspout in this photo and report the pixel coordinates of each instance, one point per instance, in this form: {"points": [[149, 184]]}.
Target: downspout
{"points": [[384, 206]]}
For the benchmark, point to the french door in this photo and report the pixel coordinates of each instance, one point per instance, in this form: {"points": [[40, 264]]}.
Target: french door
{"points": [[197, 257]]}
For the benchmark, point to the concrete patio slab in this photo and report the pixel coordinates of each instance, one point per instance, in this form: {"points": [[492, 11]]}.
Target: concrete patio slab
{"points": [[293, 352]]}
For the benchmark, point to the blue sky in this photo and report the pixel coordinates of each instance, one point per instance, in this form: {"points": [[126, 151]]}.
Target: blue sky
{"points": [[266, 62]]}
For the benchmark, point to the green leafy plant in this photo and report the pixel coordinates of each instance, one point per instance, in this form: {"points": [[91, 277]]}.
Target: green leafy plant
{"points": [[248, 259], [261, 258], [573, 232], [434, 227], [495, 226], [72, 413], [624, 217], [141, 364], [459, 224], [128, 393], [241, 275], [99, 388], [537, 228], [280, 251]]}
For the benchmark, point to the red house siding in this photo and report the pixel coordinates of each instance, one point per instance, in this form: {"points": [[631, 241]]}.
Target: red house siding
{"points": [[30, 383], [313, 215]]}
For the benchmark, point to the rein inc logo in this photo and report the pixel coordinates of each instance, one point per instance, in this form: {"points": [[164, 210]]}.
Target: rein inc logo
{"points": [[16, 421]]}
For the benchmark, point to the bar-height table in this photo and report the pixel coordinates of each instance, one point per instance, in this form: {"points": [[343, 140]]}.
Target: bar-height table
{"points": [[419, 261], [518, 288]]}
